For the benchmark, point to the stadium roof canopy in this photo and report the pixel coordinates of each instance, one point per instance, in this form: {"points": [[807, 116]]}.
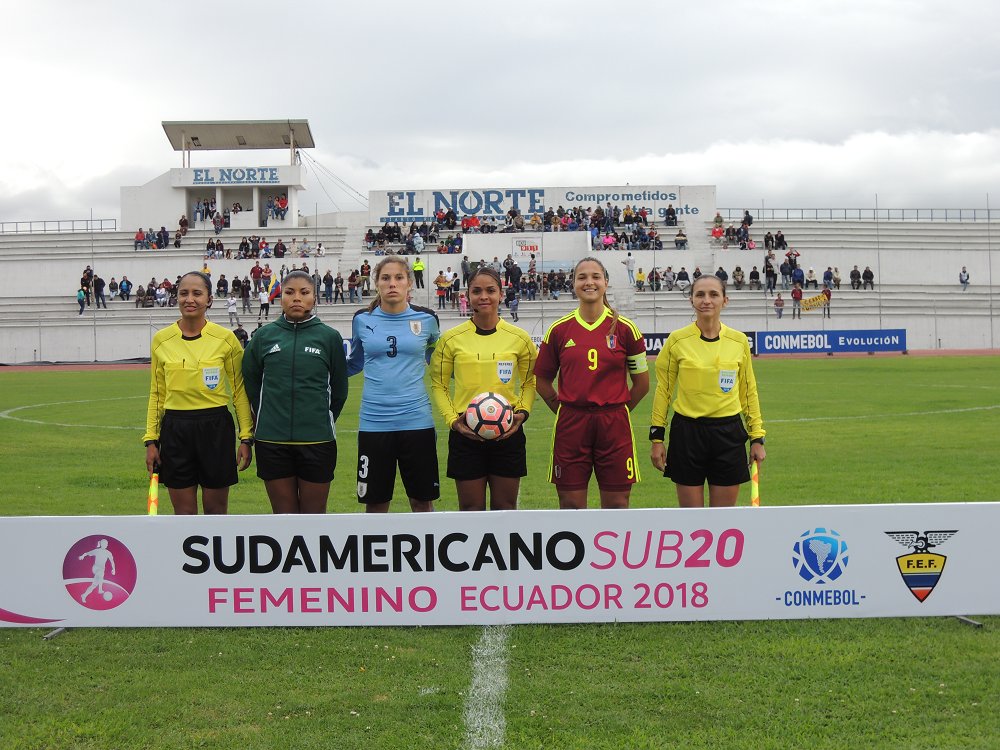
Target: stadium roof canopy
{"points": [[238, 135]]}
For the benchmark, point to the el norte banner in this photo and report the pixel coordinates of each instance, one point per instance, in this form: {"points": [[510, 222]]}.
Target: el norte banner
{"points": [[521, 567]]}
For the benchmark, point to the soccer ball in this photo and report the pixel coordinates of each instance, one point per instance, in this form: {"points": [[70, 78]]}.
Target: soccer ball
{"points": [[489, 415], [107, 596]]}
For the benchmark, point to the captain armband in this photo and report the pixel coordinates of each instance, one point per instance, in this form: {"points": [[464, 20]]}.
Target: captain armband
{"points": [[637, 363], [657, 434]]}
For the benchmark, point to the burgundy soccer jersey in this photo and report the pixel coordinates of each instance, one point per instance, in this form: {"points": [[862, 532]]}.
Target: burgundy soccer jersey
{"points": [[592, 359]]}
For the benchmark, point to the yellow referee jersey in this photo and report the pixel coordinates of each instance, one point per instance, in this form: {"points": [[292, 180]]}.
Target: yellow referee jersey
{"points": [[196, 373], [482, 361], [712, 378]]}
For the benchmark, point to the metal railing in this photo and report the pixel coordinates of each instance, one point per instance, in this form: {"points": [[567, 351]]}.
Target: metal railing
{"points": [[864, 214], [58, 225]]}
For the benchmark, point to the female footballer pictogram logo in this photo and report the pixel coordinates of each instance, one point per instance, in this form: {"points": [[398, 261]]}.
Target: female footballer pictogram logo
{"points": [[99, 572]]}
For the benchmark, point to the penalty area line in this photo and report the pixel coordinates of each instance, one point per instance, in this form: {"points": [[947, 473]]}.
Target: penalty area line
{"points": [[485, 723], [884, 416]]}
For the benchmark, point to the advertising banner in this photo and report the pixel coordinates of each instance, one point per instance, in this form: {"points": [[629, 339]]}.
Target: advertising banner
{"points": [[421, 205], [520, 567], [888, 340]]}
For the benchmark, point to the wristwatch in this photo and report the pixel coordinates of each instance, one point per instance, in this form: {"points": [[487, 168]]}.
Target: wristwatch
{"points": [[152, 442], [759, 440]]}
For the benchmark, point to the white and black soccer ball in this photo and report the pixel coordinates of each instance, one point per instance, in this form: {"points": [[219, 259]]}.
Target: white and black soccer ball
{"points": [[489, 415]]}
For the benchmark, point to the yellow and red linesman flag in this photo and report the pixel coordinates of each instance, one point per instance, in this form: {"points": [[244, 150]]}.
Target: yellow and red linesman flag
{"points": [[754, 485], [153, 501]]}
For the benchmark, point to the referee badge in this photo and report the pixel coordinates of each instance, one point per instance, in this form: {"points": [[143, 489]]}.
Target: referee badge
{"points": [[416, 327], [612, 340], [505, 370], [727, 379], [211, 377]]}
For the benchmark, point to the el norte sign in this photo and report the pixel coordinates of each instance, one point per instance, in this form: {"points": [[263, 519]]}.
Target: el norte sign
{"points": [[422, 205]]}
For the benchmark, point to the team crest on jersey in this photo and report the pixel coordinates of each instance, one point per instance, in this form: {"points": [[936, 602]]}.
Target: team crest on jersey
{"points": [[362, 489], [416, 327], [727, 379], [505, 371], [612, 340], [211, 377]]}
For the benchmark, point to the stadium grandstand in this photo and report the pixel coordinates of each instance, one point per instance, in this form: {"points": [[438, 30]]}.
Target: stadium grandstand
{"points": [[915, 256]]}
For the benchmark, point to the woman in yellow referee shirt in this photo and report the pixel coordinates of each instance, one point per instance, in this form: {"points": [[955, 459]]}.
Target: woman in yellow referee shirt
{"points": [[195, 374], [705, 372], [483, 354]]}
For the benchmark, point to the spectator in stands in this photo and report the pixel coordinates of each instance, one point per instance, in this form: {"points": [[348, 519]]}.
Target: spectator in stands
{"points": [[836, 278], [281, 206], [792, 255], [718, 220], [352, 286], [672, 215], [266, 274], [770, 278], [218, 222], [198, 211], [797, 301], [140, 296], [640, 280], [798, 277], [696, 274], [162, 295], [237, 207], [177, 239], [99, 298], [222, 286], [442, 285], [629, 264], [246, 294], [680, 240], [162, 238], [112, 289], [150, 239], [779, 241], [418, 273], [669, 278], [280, 249], [738, 277], [855, 276], [828, 304], [723, 276], [730, 235], [683, 279], [220, 250], [754, 278], [140, 239], [786, 274], [370, 238], [828, 277], [338, 288], [747, 219], [769, 241], [963, 278], [779, 306], [811, 279], [81, 299], [182, 225], [868, 278], [264, 300], [125, 289], [328, 287]]}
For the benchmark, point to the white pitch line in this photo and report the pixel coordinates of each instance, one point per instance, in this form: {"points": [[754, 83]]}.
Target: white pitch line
{"points": [[7, 414], [884, 416], [485, 723]]}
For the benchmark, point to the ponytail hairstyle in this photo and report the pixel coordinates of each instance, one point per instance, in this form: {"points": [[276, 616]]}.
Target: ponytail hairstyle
{"points": [[614, 313], [378, 269]]}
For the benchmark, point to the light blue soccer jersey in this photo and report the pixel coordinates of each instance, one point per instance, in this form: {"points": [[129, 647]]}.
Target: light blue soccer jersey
{"points": [[393, 351]]}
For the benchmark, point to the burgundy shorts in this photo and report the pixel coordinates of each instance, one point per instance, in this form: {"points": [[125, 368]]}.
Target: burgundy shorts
{"points": [[597, 439]]}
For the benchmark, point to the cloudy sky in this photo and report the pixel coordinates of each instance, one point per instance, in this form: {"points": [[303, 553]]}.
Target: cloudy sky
{"points": [[784, 103]]}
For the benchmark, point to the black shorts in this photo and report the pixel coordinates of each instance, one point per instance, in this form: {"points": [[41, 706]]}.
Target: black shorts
{"points": [[198, 447], [475, 459], [416, 453], [712, 449], [312, 462]]}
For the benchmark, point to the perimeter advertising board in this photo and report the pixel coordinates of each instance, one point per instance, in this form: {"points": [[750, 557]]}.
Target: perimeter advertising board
{"points": [[880, 340], [522, 567], [421, 205]]}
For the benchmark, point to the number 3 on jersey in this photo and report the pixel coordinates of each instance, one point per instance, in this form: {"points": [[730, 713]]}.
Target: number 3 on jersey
{"points": [[592, 358]]}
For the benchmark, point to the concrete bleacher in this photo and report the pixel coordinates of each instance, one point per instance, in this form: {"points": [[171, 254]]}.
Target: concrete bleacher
{"points": [[916, 266]]}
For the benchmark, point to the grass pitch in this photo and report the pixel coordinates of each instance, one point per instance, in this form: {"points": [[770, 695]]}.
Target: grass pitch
{"points": [[840, 430]]}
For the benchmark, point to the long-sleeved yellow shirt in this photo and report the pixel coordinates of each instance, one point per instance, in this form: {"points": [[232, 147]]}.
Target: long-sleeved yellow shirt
{"points": [[711, 378], [196, 373], [496, 361]]}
